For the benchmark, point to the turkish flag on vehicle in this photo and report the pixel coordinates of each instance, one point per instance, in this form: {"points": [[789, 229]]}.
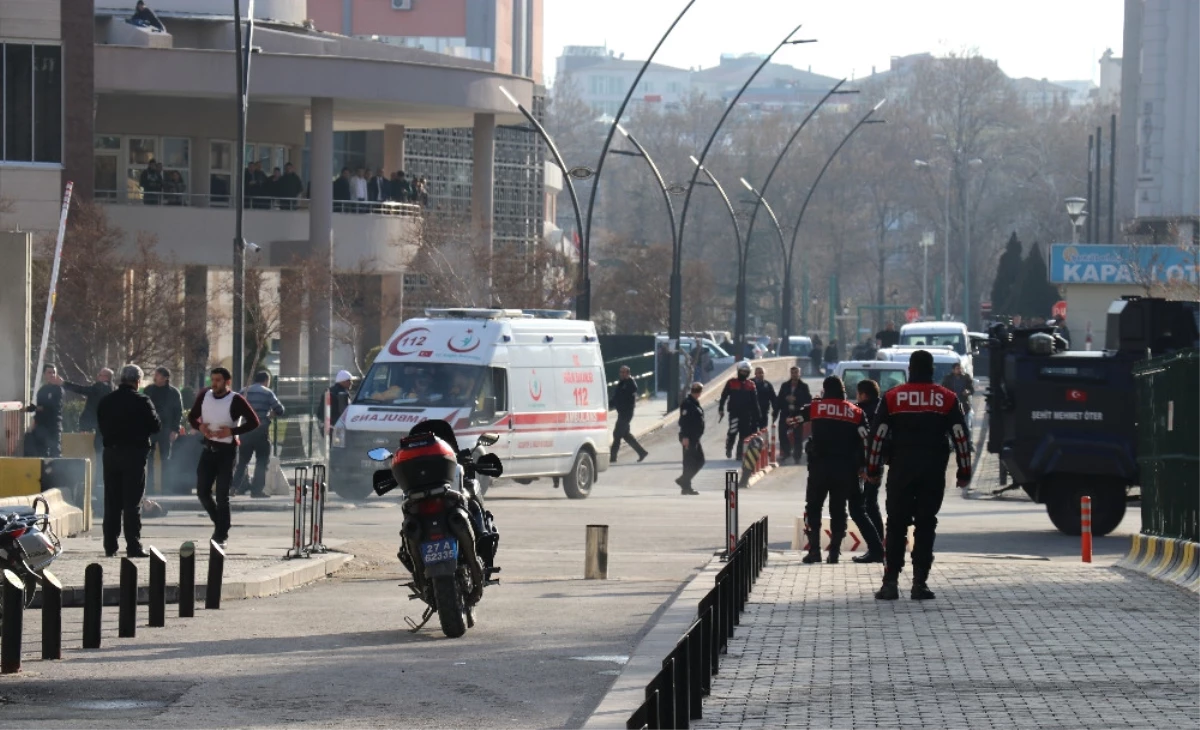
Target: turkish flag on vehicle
{"points": [[1076, 395]]}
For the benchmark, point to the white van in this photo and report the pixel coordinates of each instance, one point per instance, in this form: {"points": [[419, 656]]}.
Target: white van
{"points": [[954, 335], [536, 381]]}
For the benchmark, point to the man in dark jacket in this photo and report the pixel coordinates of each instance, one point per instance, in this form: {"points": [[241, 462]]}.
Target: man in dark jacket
{"points": [[868, 401], [818, 354], [257, 443], [837, 454], [144, 16], [744, 414], [793, 395], [45, 440], [832, 355], [341, 192], [127, 422], [289, 187], [766, 396], [339, 396], [401, 188], [87, 420], [623, 402], [691, 430], [910, 431], [888, 336], [379, 188], [168, 402]]}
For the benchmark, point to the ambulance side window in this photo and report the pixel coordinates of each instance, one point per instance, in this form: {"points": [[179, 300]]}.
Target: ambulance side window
{"points": [[493, 397]]}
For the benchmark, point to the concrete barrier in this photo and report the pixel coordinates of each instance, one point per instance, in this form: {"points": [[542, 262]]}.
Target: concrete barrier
{"points": [[66, 519], [1167, 559]]}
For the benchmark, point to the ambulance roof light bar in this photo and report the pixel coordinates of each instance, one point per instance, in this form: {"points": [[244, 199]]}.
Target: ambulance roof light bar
{"points": [[473, 313]]}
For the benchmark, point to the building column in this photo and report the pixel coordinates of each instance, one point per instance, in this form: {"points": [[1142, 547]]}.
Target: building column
{"points": [[290, 281], [393, 148], [483, 179], [200, 184], [16, 309], [391, 300], [77, 27], [195, 312], [320, 237]]}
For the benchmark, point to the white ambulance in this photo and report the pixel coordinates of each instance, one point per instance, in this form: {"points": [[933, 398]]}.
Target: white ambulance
{"points": [[537, 381]]}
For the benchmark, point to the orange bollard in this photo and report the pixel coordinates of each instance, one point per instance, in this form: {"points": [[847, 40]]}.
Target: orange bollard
{"points": [[1085, 522]]}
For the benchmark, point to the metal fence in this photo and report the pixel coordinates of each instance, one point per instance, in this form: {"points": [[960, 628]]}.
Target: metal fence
{"points": [[641, 367], [1168, 434], [299, 437]]}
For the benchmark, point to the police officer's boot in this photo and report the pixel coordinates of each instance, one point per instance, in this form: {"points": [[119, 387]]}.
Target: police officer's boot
{"points": [[813, 533], [890, 590], [920, 591], [835, 548]]}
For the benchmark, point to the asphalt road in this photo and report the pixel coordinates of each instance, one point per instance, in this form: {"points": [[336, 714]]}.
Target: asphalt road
{"points": [[547, 646]]}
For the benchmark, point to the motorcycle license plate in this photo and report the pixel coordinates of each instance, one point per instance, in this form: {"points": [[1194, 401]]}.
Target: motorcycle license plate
{"points": [[439, 551]]}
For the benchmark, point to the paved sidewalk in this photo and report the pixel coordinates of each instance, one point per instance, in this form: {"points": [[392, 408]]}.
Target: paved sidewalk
{"points": [[1007, 643]]}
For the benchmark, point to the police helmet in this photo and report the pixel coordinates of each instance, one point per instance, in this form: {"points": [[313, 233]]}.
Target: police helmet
{"points": [[743, 365]]}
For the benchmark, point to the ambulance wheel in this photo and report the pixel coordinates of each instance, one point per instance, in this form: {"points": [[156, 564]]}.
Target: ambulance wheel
{"points": [[578, 483]]}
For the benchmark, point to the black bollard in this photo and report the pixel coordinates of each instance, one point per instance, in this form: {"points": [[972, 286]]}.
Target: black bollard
{"points": [[14, 623], [93, 600], [158, 588], [216, 573], [51, 616], [187, 580], [127, 614]]}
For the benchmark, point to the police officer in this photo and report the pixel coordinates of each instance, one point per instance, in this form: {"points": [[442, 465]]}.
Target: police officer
{"points": [[623, 401], [793, 395], [837, 452], [868, 400], [911, 429], [46, 438], [127, 421], [766, 396], [744, 413], [691, 429]]}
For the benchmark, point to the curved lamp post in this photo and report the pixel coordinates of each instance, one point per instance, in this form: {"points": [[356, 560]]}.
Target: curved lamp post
{"points": [[786, 318], [733, 216], [743, 265], [667, 190], [583, 303], [570, 175], [740, 319], [242, 54]]}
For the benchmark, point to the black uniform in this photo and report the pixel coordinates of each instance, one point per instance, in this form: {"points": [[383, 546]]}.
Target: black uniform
{"points": [[744, 413], [910, 429], [339, 399], [838, 453], [87, 420], [766, 400], [870, 490], [784, 412], [691, 427], [168, 402], [47, 422], [623, 401], [127, 421]]}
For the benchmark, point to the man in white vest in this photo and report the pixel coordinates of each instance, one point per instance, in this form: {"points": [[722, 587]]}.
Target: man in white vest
{"points": [[220, 415]]}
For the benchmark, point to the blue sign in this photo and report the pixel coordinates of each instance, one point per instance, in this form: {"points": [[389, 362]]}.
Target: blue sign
{"points": [[1086, 263]]}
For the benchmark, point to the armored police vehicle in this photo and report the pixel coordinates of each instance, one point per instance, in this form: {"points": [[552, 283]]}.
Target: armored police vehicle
{"points": [[1063, 421]]}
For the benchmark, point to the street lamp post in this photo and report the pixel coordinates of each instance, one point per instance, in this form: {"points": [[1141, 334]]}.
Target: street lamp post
{"points": [[1077, 214], [786, 315], [922, 164], [570, 174], [968, 305], [926, 242], [742, 243], [242, 55], [740, 320], [742, 265], [585, 244]]}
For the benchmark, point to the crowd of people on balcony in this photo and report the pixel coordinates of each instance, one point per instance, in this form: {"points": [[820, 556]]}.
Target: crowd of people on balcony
{"points": [[361, 192]]}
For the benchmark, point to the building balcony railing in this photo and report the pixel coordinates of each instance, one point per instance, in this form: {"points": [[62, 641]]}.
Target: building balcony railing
{"points": [[200, 200]]}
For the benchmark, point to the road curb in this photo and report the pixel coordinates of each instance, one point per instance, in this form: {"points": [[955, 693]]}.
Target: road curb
{"points": [[1166, 559], [264, 582]]}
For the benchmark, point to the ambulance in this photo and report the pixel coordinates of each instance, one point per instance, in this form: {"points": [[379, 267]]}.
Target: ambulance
{"points": [[534, 378]]}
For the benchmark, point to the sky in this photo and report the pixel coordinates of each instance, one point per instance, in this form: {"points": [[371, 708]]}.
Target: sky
{"points": [[1060, 40]]}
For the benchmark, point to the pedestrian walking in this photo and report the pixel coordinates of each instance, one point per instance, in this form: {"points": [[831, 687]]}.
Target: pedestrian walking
{"points": [[744, 414], [837, 453], [257, 443], [832, 356], [127, 423], [220, 415], [963, 386], [168, 402], [888, 336], [45, 440], [623, 401], [691, 430], [910, 432], [339, 396], [868, 400], [767, 400], [793, 395]]}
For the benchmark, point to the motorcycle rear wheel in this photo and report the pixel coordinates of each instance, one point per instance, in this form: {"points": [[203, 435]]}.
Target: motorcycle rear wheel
{"points": [[451, 608]]}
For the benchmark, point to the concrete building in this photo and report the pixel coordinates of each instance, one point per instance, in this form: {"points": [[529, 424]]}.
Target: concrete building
{"points": [[1110, 77], [130, 95], [603, 78]]}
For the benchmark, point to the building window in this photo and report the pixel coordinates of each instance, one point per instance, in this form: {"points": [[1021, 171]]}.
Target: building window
{"points": [[30, 103]]}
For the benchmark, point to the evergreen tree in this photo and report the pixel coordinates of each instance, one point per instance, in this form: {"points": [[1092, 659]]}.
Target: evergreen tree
{"points": [[1036, 294], [1006, 287]]}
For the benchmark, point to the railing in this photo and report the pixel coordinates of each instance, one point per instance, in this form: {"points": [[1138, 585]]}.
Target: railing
{"points": [[210, 200], [641, 368], [675, 696]]}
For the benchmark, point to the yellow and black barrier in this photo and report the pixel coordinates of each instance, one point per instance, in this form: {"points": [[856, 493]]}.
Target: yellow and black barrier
{"points": [[1166, 559]]}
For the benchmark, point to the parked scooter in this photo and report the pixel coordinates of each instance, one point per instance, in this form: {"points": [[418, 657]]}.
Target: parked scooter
{"points": [[28, 545], [448, 541]]}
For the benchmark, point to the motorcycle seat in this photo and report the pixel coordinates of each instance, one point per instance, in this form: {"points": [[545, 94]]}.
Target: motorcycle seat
{"points": [[18, 510]]}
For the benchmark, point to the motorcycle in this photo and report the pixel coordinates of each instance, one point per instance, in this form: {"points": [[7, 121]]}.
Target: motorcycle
{"points": [[448, 540], [28, 545]]}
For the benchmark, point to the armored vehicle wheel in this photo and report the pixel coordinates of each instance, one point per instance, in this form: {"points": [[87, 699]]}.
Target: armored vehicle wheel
{"points": [[1063, 497]]}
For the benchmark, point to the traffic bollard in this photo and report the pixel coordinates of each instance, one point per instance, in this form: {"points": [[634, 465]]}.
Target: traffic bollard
{"points": [[14, 623], [596, 560], [216, 574], [93, 602], [187, 580], [1085, 523], [158, 589], [127, 614], [51, 616]]}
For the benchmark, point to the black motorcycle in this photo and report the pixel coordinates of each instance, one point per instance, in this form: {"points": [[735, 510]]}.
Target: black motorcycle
{"points": [[448, 541], [28, 545]]}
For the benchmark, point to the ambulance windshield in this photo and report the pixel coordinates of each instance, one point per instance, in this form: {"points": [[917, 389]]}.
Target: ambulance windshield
{"points": [[427, 385]]}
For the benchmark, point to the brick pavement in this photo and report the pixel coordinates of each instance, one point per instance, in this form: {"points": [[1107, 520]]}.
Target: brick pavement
{"points": [[1007, 643]]}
